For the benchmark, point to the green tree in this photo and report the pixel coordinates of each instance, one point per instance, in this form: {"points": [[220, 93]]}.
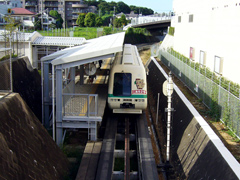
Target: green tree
{"points": [[122, 7], [59, 20], [54, 13], [117, 22], [106, 19], [11, 24], [104, 7], [89, 20], [99, 21], [123, 20], [80, 19], [37, 23]]}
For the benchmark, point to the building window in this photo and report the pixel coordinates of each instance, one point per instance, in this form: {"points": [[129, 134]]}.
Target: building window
{"points": [[202, 59], [218, 64], [179, 19], [191, 18], [192, 54]]}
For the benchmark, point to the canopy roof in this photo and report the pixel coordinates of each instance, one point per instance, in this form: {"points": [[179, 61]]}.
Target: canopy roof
{"points": [[98, 47]]}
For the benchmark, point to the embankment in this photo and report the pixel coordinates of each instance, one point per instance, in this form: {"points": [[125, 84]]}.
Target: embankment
{"points": [[27, 151]]}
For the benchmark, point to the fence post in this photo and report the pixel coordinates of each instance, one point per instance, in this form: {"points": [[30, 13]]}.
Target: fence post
{"points": [[219, 88]]}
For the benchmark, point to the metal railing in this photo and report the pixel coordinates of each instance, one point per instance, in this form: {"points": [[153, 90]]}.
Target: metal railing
{"points": [[148, 19], [80, 105], [221, 102]]}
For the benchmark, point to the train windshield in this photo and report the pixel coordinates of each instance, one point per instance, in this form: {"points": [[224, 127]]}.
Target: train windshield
{"points": [[122, 84]]}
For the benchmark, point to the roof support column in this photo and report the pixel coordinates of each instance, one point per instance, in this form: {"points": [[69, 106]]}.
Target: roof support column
{"points": [[81, 74], [45, 91], [59, 87], [72, 76]]}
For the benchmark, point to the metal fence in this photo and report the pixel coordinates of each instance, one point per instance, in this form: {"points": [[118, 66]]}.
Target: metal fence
{"points": [[16, 41], [79, 104], [221, 102]]}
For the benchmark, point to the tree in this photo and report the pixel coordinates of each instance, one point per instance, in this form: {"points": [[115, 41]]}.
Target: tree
{"points": [[54, 13], [104, 7], [37, 23], [89, 20], [106, 19], [80, 19], [11, 24], [99, 21], [122, 7], [117, 22], [123, 20], [59, 20]]}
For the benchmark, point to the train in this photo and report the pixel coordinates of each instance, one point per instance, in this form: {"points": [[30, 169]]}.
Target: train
{"points": [[127, 88]]}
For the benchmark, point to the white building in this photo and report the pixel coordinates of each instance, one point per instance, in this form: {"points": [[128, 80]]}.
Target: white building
{"points": [[209, 29]]}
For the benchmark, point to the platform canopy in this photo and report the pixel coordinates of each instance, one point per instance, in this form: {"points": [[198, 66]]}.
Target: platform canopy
{"points": [[94, 49]]}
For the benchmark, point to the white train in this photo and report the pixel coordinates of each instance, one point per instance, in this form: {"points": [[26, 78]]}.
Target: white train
{"points": [[127, 90]]}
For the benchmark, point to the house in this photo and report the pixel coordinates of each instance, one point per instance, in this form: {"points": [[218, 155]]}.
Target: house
{"points": [[128, 16], [23, 16]]}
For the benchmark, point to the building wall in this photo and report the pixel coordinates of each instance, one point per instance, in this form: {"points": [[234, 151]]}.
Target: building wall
{"points": [[214, 30]]}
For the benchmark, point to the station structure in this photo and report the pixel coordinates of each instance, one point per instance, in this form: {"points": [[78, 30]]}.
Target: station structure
{"points": [[59, 89]]}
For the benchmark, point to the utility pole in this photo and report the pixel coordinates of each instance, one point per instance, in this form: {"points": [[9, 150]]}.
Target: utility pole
{"points": [[42, 13]]}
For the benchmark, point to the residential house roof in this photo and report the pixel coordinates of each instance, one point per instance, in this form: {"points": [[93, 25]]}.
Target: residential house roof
{"points": [[22, 11]]}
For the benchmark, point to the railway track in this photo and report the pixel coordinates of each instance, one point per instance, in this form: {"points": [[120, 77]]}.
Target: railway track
{"points": [[127, 152]]}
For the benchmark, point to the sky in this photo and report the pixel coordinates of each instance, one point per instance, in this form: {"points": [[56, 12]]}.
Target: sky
{"points": [[156, 5]]}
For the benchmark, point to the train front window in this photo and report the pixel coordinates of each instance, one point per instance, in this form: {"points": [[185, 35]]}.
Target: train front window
{"points": [[122, 84]]}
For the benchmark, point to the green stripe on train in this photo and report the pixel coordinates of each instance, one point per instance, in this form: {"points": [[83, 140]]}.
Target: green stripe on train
{"points": [[132, 96]]}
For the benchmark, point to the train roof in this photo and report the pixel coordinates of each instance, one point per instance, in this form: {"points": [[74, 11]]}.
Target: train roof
{"points": [[129, 56]]}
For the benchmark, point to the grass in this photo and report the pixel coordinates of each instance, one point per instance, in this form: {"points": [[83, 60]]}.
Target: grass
{"points": [[72, 152], [86, 32]]}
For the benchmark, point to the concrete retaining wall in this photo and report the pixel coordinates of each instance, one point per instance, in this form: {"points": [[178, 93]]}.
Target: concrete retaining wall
{"points": [[27, 151], [197, 152]]}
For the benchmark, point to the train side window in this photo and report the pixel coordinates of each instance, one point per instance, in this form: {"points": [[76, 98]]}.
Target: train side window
{"points": [[122, 84]]}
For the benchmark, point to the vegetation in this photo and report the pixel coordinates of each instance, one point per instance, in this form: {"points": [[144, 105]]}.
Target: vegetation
{"points": [[59, 20], [138, 35], [171, 31], [108, 7], [7, 57], [222, 81], [80, 19], [89, 20], [37, 23]]}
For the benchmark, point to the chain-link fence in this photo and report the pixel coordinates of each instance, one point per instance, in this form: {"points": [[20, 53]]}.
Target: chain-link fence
{"points": [[217, 97]]}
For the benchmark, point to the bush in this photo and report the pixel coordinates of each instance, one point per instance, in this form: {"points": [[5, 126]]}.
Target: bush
{"points": [[171, 31], [107, 30]]}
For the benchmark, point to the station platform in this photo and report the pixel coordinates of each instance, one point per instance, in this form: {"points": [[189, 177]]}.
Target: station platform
{"points": [[84, 103], [88, 166]]}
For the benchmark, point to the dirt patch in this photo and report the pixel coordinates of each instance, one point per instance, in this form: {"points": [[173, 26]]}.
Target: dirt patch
{"points": [[232, 144]]}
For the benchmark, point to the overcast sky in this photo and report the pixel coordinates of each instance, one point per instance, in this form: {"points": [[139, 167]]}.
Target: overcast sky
{"points": [[155, 5]]}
